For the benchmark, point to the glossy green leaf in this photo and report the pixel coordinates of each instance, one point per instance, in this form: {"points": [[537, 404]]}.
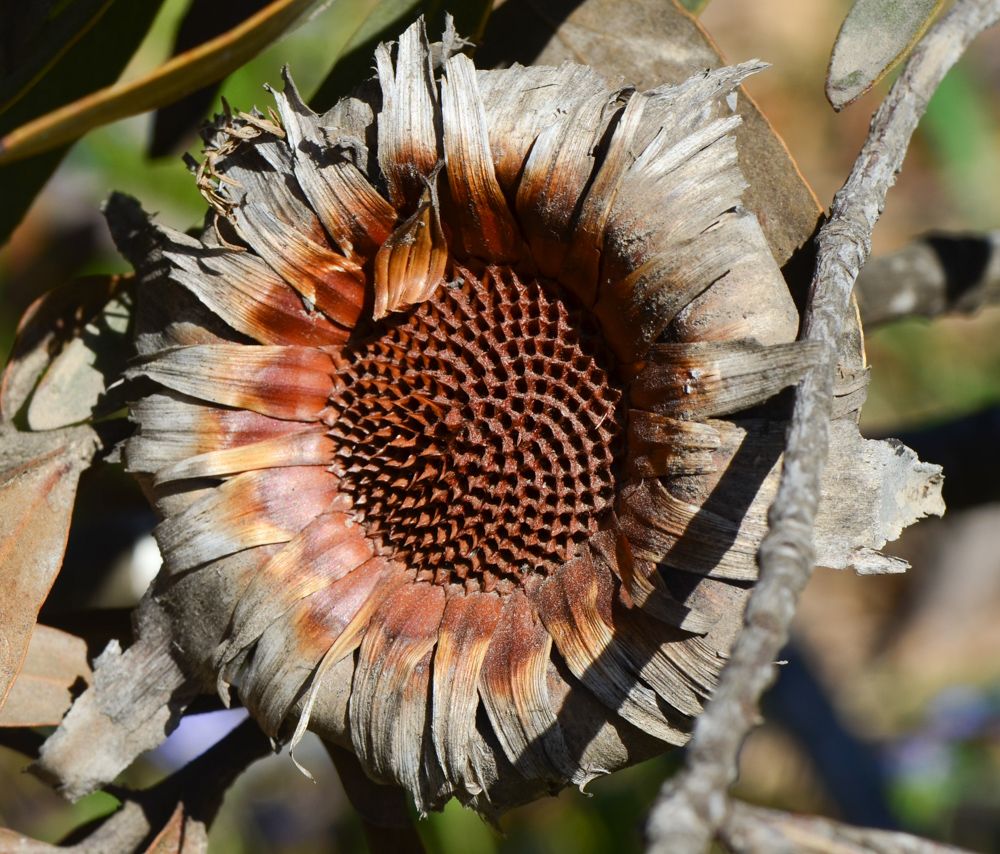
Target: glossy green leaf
{"points": [[386, 22], [22, 183], [56, 35], [174, 79], [19, 22], [96, 60], [874, 37], [204, 20]]}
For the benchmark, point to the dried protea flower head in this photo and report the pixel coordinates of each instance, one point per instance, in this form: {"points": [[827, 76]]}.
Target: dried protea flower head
{"points": [[453, 416]]}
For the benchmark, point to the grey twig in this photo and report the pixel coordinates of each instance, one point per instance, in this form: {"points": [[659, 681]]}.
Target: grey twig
{"points": [[693, 804], [935, 274], [755, 830]]}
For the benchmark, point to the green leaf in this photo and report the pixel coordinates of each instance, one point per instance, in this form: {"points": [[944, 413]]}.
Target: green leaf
{"points": [[95, 60], [19, 22], [204, 20], [874, 37], [174, 79], [48, 44], [693, 6], [354, 64], [22, 183]]}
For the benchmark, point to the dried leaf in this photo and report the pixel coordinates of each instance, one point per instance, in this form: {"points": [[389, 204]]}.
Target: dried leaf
{"points": [[119, 715], [171, 838], [75, 384], [172, 816], [38, 477], [407, 137], [54, 668], [411, 262], [708, 379], [871, 491], [291, 383], [515, 695], [487, 227], [466, 632], [174, 79], [51, 324], [875, 36], [181, 835]]}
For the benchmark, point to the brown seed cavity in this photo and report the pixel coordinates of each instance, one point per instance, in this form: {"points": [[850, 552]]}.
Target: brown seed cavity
{"points": [[480, 435]]}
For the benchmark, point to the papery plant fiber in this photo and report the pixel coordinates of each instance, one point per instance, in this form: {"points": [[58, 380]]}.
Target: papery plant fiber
{"points": [[456, 417]]}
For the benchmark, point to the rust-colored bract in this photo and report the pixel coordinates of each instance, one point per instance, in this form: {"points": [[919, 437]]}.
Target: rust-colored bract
{"points": [[437, 403]]}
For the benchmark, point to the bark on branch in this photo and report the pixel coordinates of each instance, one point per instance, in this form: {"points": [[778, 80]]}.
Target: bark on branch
{"points": [[692, 805]]}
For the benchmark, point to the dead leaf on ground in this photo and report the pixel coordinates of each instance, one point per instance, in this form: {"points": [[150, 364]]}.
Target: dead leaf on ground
{"points": [[38, 479], [55, 667], [49, 325]]}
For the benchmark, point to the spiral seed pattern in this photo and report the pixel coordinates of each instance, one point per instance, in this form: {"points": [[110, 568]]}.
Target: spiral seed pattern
{"points": [[479, 435]]}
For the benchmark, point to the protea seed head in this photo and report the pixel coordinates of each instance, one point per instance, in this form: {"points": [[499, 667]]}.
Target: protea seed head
{"points": [[441, 410]]}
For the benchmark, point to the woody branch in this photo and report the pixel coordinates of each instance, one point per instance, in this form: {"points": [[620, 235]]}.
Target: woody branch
{"points": [[694, 804]]}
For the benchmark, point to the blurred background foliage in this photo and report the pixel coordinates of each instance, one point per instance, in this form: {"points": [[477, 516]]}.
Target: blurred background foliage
{"points": [[905, 671]]}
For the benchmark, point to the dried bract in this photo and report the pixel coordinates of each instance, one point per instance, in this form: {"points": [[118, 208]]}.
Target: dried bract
{"points": [[459, 463]]}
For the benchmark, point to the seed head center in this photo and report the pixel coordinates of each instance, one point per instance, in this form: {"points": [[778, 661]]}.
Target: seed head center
{"points": [[478, 434]]}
